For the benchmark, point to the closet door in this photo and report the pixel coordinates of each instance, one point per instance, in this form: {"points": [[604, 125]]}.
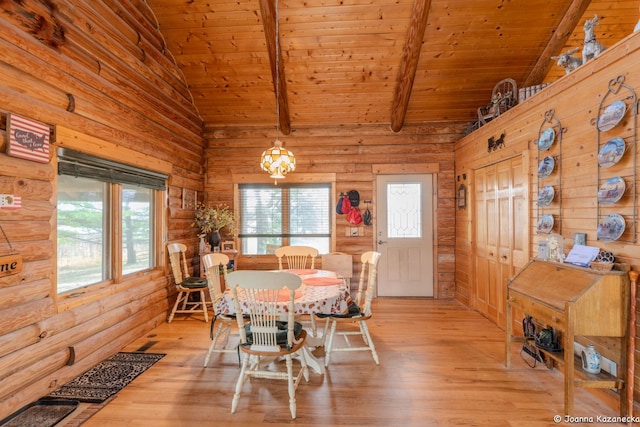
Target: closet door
{"points": [[501, 233]]}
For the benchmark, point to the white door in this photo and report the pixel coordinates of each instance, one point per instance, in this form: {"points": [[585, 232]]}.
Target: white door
{"points": [[404, 218]]}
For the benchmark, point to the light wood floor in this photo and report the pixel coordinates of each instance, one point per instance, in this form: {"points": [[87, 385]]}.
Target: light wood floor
{"points": [[441, 365]]}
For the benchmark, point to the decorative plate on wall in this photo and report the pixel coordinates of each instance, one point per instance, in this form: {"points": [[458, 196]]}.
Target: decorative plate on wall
{"points": [[546, 166], [611, 228], [611, 152], [612, 115], [546, 139], [611, 191], [546, 195], [545, 224]]}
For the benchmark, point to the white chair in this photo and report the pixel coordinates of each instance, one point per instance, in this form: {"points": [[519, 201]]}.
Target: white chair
{"points": [[215, 265], [296, 257], [358, 313], [185, 284], [268, 296]]}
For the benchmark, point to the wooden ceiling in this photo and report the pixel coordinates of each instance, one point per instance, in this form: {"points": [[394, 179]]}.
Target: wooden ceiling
{"points": [[360, 62]]}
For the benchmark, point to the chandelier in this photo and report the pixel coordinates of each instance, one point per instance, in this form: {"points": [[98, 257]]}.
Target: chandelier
{"points": [[277, 160]]}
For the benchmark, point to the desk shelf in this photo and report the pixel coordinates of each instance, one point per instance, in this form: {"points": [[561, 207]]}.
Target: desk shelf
{"points": [[585, 379]]}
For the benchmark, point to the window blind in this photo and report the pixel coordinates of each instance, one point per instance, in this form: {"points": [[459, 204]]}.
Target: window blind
{"points": [[83, 165], [285, 210]]}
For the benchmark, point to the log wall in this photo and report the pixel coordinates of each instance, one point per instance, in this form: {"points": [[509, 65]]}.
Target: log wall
{"points": [[355, 155], [575, 100], [98, 72]]}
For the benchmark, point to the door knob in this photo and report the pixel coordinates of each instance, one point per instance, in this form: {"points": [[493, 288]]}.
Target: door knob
{"points": [[381, 242]]}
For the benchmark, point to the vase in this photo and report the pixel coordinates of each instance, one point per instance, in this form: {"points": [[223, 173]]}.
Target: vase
{"points": [[214, 240], [591, 360], [201, 245]]}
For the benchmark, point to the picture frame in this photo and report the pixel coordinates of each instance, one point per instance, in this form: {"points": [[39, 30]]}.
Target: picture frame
{"points": [[28, 139], [189, 198], [462, 196], [228, 245]]}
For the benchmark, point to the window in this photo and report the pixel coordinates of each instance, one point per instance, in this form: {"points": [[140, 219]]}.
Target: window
{"points": [[286, 214], [106, 219]]}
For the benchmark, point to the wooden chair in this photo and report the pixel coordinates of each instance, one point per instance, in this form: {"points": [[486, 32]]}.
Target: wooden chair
{"points": [[358, 314], [503, 97], [263, 294], [296, 257], [215, 265], [185, 284]]}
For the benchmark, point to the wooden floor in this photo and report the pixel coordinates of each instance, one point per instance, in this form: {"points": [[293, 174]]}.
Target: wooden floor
{"points": [[441, 364]]}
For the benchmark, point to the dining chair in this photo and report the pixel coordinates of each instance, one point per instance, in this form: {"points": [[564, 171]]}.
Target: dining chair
{"points": [[359, 313], [186, 284], [215, 265], [267, 296], [296, 257]]}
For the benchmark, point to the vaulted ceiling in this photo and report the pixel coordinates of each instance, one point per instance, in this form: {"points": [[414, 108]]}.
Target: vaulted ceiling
{"points": [[359, 62]]}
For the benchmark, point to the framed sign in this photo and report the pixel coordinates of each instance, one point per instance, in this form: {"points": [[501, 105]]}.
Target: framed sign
{"points": [[28, 139], [10, 264]]}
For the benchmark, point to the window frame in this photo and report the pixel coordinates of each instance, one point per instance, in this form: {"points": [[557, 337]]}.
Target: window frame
{"points": [[113, 229], [293, 178]]}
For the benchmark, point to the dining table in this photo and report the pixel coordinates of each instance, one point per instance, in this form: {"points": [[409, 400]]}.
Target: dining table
{"points": [[322, 291]]}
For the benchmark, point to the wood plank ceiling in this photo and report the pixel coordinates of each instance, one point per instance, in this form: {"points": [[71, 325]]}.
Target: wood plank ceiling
{"points": [[359, 62]]}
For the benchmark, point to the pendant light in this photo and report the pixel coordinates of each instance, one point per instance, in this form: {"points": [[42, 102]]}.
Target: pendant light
{"points": [[277, 160]]}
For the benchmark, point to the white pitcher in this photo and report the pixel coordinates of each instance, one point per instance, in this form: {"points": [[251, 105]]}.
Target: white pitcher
{"points": [[591, 360]]}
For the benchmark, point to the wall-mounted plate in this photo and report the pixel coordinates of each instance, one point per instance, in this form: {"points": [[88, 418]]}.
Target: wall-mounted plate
{"points": [[546, 195], [611, 191], [611, 228], [545, 224], [611, 116], [611, 152], [546, 166], [546, 139]]}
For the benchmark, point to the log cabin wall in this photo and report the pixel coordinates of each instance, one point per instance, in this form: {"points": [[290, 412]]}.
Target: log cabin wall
{"points": [[99, 73], [355, 155], [575, 100]]}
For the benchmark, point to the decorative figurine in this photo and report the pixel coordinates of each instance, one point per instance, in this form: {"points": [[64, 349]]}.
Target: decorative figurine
{"points": [[568, 62], [591, 47]]}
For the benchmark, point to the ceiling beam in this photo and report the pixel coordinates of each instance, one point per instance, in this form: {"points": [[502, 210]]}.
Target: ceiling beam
{"points": [[557, 42], [409, 63], [269, 18]]}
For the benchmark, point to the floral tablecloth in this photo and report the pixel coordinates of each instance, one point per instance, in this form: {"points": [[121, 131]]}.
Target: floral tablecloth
{"points": [[321, 298]]}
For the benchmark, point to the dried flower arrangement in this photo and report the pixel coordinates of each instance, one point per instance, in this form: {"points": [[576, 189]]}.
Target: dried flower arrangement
{"points": [[209, 218]]}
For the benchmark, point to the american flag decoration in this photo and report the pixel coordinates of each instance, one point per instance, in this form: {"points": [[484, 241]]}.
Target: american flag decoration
{"points": [[29, 139], [10, 201]]}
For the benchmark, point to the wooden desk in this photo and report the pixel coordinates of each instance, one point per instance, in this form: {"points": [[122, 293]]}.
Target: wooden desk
{"points": [[576, 301]]}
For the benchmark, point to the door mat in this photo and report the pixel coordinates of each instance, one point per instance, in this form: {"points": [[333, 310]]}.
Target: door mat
{"points": [[43, 413], [106, 378]]}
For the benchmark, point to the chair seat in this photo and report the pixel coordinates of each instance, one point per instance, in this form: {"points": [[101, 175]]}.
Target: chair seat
{"points": [[194, 283], [354, 311], [281, 336], [300, 338]]}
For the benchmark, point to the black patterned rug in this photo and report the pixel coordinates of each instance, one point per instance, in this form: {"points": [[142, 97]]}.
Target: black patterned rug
{"points": [[106, 378], [40, 414]]}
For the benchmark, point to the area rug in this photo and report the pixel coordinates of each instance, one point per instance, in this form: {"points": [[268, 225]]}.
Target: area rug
{"points": [[107, 378], [41, 414]]}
